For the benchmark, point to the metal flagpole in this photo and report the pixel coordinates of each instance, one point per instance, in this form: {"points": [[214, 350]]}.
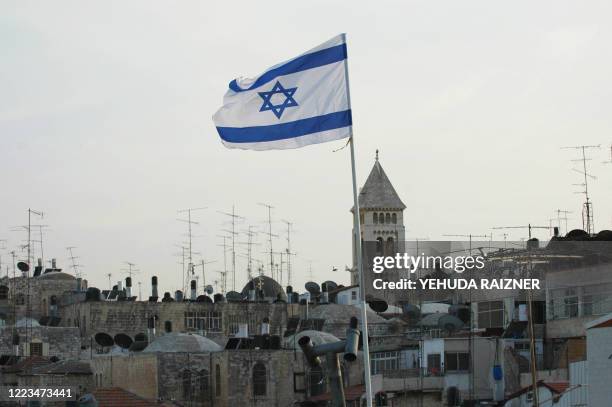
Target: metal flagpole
{"points": [[357, 237]]}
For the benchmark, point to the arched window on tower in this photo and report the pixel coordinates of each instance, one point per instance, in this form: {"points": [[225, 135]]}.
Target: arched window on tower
{"points": [[388, 218], [381, 218], [390, 249], [4, 290], [379, 246], [260, 379], [394, 218], [375, 218]]}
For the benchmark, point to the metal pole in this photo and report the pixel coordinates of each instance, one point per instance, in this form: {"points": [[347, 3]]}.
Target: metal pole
{"points": [[357, 230]]}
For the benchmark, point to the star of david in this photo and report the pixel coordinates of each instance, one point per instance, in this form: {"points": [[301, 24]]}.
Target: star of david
{"points": [[274, 106]]}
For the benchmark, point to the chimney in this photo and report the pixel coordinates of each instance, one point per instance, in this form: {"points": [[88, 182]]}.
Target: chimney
{"points": [[289, 294], [324, 294], [556, 231], [128, 287], [84, 285], [151, 329], [79, 286], [178, 296], [243, 331], [252, 293], [119, 285], [53, 263], [265, 326], [39, 263], [154, 287], [194, 291]]}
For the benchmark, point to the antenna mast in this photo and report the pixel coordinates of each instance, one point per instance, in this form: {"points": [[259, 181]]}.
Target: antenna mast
{"points": [[288, 250], [72, 258], [233, 234], [587, 207], [270, 236]]}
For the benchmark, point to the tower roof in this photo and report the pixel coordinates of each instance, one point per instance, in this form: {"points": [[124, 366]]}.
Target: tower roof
{"points": [[378, 192]]}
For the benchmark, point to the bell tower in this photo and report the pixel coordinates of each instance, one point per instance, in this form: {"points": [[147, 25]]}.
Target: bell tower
{"points": [[382, 219]]}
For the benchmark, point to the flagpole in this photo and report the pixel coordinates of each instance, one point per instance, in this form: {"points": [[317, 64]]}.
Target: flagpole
{"points": [[357, 242]]}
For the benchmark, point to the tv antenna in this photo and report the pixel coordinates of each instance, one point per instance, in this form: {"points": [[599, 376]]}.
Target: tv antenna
{"points": [[270, 236], [110, 285], [469, 236], [224, 272], [250, 233], [203, 264], [564, 218], [130, 270], [587, 207], [75, 267], [233, 234], [288, 250], [190, 223], [529, 227]]}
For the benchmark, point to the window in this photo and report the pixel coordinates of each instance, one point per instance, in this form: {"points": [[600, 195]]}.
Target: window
{"points": [[394, 218], [4, 292], [381, 218], [168, 326], [433, 364], [375, 218], [36, 349], [564, 303], [218, 380], [209, 321], [353, 295], [203, 385], [456, 361], [388, 218], [186, 382], [379, 246], [384, 361], [597, 299], [317, 381], [259, 379], [491, 314]]}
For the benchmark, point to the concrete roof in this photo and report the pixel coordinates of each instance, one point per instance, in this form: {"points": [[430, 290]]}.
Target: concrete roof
{"points": [[182, 342], [336, 313]]}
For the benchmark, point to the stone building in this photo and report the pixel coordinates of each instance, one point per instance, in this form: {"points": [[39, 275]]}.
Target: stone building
{"points": [[382, 229]]}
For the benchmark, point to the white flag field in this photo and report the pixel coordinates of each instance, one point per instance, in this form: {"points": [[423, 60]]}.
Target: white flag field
{"points": [[293, 104]]}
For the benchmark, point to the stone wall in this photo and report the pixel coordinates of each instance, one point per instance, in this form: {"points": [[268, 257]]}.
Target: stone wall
{"points": [[61, 342]]}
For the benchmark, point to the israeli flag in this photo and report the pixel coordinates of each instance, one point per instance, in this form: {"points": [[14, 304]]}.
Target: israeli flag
{"points": [[293, 104]]}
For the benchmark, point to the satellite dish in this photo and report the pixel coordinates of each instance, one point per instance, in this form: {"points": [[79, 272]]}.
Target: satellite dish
{"points": [[378, 305], [204, 298], [331, 285], [449, 322], [233, 296], [209, 289], [411, 311], [23, 266], [103, 339], [123, 341], [313, 288]]}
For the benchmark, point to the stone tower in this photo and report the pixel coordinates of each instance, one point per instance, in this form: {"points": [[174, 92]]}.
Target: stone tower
{"points": [[382, 220]]}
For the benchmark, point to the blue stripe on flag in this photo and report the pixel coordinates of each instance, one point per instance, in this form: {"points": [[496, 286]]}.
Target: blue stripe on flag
{"points": [[308, 61], [288, 130]]}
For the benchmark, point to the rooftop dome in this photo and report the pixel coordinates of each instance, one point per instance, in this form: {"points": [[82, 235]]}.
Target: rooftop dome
{"points": [[176, 342], [57, 275], [317, 338], [336, 313], [271, 289]]}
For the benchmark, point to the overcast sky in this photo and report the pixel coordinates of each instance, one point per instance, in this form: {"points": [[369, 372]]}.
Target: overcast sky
{"points": [[105, 123]]}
